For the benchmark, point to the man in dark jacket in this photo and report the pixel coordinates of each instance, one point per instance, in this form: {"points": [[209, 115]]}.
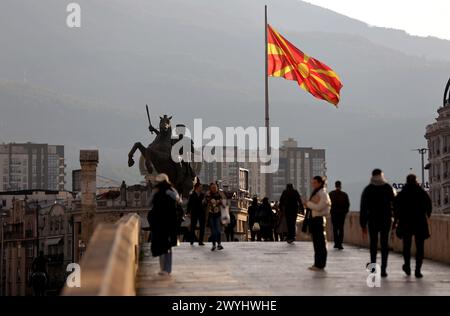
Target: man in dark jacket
{"points": [[412, 208], [291, 203], [376, 213], [196, 210], [340, 205], [164, 222]]}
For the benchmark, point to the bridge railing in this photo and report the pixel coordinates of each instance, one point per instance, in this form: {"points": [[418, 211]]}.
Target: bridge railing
{"points": [[110, 263], [437, 247]]}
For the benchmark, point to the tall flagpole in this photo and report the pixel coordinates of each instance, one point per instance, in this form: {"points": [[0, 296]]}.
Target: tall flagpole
{"points": [[266, 81]]}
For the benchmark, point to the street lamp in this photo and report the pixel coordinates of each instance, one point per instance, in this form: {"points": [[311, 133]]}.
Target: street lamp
{"points": [[422, 152]]}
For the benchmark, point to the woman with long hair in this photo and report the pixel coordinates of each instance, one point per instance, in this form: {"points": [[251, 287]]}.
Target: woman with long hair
{"points": [[214, 201]]}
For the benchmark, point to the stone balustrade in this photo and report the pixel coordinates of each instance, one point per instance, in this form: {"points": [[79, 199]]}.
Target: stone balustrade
{"points": [[110, 263], [437, 247]]}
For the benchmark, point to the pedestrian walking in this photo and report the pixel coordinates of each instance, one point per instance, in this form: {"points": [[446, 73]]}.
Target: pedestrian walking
{"points": [[164, 222], [280, 223], [196, 210], [255, 230], [214, 201], [266, 220], [319, 204], [412, 209], [376, 214], [291, 204], [340, 206]]}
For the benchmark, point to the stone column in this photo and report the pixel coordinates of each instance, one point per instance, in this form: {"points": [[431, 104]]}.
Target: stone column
{"points": [[88, 162]]}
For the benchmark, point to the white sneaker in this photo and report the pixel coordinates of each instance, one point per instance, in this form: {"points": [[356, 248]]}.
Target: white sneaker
{"points": [[163, 273], [314, 268]]}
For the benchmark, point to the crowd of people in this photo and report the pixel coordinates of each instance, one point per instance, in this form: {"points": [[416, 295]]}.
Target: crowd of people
{"points": [[382, 211]]}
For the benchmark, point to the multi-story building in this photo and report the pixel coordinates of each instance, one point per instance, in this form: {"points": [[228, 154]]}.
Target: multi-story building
{"points": [[31, 226], [438, 137], [31, 166], [297, 165]]}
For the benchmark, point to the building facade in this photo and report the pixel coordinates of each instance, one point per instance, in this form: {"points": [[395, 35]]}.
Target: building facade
{"points": [[438, 138], [31, 166], [32, 226], [297, 165]]}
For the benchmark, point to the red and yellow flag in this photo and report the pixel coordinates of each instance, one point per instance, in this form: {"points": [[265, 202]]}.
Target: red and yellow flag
{"points": [[287, 61]]}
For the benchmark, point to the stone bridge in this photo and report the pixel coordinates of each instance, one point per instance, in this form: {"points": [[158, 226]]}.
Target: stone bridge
{"points": [[118, 262]]}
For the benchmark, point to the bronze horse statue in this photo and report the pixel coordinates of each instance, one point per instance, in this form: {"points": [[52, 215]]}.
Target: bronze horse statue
{"points": [[158, 157], [447, 94]]}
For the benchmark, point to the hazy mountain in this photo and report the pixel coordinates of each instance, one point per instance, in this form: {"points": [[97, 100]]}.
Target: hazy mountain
{"points": [[88, 87]]}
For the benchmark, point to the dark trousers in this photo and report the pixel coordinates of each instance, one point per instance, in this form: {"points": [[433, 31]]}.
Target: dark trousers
{"points": [[384, 242], [291, 221], [201, 219], [420, 243], [266, 233], [318, 237], [216, 229], [255, 235], [338, 221], [229, 233]]}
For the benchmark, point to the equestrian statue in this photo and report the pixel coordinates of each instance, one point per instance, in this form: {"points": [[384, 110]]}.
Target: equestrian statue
{"points": [[158, 156]]}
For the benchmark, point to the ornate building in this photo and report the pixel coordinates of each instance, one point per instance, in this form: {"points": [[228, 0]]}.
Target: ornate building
{"points": [[438, 137]]}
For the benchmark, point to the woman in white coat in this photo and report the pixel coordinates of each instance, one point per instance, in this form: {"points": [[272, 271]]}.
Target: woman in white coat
{"points": [[320, 205]]}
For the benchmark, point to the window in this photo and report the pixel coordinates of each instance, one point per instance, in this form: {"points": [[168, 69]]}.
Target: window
{"points": [[30, 251]]}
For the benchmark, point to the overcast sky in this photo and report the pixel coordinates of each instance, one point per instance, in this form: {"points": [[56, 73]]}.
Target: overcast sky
{"points": [[417, 17]]}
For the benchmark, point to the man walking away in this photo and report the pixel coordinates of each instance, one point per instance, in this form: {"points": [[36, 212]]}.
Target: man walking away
{"points": [[412, 208], [340, 205], [376, 213], [196, 210], [291, 203]]}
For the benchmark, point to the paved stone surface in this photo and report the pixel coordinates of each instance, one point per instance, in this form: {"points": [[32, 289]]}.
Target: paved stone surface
{"points": [[279, 269]]}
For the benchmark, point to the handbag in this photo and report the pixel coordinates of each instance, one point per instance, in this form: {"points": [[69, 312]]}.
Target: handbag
{"points": [[256, 227], [186, 223], [225, 215], [307, 221]]}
